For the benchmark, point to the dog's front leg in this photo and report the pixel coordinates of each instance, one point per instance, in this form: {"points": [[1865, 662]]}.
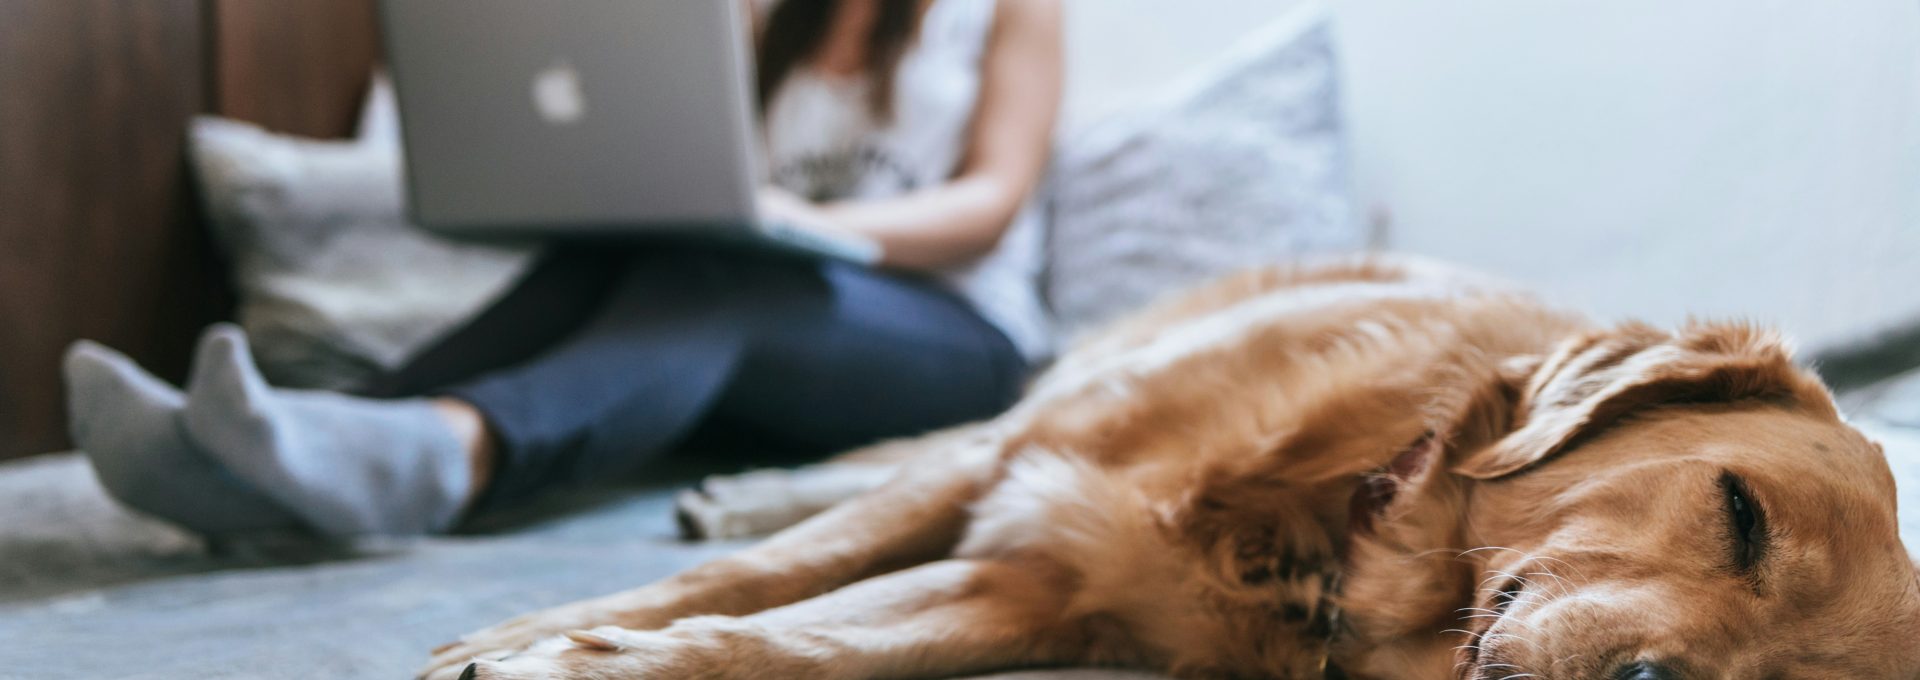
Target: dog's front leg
{"points": [[935, 620], [914, 519], [764, 501]]}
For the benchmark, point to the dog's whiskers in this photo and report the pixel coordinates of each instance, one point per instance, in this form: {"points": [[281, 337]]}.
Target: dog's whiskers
{"points": [[1490, 636], [1543, 559], [1556, 577], [1555, 666], [1471, 551]]}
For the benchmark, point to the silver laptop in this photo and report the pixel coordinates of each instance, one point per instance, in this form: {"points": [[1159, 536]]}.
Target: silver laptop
{"points": [[584, 117]]}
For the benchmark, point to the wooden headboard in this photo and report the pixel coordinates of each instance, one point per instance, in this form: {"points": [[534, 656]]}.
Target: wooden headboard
{"points": [[100, 232]]}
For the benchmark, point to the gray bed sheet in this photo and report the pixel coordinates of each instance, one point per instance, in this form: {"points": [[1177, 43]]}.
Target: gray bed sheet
{"points": [[88, 590]]}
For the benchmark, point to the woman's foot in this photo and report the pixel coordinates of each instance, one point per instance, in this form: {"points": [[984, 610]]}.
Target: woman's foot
{"points": [[129, 423], [347, 465]]}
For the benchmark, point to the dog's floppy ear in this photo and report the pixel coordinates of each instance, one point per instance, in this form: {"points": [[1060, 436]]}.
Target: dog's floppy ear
{"points": [[1594, 379]]}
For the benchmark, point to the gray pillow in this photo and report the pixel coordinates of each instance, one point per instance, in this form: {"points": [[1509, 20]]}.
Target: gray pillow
{"points": [[1243, 164], [334, 284]]}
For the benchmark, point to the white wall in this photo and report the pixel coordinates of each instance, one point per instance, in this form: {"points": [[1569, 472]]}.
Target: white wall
{"points": [[1121, 52], [1652, 158]]}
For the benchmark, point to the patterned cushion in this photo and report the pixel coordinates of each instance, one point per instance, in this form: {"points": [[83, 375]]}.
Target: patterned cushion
{"points": [[334, 284], [1241, 165]]}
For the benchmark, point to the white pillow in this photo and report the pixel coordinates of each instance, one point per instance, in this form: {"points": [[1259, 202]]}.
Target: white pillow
{"points": [[1241, 165], [335, 286]]}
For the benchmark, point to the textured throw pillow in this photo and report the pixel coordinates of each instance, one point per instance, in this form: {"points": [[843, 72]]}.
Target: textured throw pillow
{"points": [[1239, 166], [334, 285]]}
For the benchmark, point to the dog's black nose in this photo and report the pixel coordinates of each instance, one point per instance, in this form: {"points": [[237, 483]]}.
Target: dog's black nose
{"points": [[1641, 670]]}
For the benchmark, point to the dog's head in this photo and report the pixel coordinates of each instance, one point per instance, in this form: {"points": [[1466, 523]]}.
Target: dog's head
{"points": [[1682, 506]]}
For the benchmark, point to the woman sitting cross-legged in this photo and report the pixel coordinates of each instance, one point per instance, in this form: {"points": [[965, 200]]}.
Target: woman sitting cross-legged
{"points": [[922, 125]]}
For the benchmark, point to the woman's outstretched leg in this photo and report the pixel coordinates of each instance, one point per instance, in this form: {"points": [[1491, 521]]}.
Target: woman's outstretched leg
{"points": [[603, 396], [347, 465], [132, 427], [238, 457], [821, 356]]}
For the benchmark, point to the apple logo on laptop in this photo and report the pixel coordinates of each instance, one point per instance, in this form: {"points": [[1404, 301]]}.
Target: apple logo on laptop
{"points": [[557, 96]]}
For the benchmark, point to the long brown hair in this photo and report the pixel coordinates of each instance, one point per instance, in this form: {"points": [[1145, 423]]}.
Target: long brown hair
{"points": [[795, 29]]}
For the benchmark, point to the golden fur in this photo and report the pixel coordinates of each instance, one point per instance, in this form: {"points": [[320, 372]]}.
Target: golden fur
{"points": [[1367, 469]]}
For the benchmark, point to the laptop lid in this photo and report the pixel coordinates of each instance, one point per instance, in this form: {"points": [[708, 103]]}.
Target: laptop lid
{"points": [[577, 115]]}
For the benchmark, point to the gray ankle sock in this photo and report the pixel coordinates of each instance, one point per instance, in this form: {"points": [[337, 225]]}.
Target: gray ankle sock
{"points": [[348, 465], [129, 424]]}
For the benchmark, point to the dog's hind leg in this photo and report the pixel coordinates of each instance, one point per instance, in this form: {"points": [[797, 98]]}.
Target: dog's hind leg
{"points": [[933, 621], [761, 502], [916, 518]]}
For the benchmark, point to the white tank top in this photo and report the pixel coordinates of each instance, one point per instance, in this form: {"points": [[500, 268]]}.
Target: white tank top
{"points": [[823, 143]]}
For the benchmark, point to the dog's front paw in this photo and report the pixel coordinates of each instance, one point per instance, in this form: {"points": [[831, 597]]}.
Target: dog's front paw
{"points": [[739, 506], [605, 652], [451, 660], [508, 638]]}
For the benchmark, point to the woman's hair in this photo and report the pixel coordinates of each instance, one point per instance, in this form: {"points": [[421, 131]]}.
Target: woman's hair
{"points": [[795, 29]]}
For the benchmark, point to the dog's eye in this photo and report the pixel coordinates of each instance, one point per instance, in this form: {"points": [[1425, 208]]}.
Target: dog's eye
{"points": [[1507, 595], [1745, 520]]}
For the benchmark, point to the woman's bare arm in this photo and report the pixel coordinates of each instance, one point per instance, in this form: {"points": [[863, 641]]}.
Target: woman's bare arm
{"points": [[1006, 153]]}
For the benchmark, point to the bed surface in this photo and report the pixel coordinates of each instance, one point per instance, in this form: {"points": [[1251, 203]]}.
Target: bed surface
{"points": [[88, 590]]}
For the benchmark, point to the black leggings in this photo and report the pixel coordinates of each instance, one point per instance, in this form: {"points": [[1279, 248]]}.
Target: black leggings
{"points": [[600, 359]]}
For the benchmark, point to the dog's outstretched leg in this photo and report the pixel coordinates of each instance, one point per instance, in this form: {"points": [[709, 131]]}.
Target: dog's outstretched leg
{"points": [[936, 620], [761, 502], [916, 518], [765, 501]]}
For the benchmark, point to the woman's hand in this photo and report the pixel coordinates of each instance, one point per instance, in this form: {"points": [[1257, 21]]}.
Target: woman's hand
{"points": [[784, 209], [782, 206]]}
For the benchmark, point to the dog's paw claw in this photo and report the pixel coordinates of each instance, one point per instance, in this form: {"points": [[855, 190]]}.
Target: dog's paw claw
{"points": [[689, 508], [590, 640]]}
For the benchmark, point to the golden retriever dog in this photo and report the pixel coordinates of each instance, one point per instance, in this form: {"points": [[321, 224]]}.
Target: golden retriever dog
{"points": [[1368, 469]]}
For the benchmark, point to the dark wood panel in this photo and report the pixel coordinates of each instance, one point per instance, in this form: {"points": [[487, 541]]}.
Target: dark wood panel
{"points": [[298, 66], [98, 232]]}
